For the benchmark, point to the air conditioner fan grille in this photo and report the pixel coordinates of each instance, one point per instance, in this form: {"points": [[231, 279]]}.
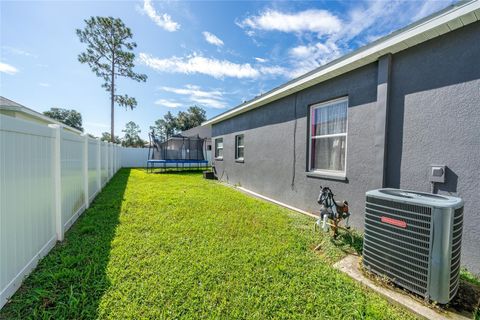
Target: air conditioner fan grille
{"points": [[400, 253]]}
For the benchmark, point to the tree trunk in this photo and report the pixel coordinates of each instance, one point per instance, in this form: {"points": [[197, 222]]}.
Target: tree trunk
{"points": [[112, 104]]}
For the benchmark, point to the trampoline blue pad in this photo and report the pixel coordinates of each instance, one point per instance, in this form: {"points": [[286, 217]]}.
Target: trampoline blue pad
{"points": [[178, 161]]}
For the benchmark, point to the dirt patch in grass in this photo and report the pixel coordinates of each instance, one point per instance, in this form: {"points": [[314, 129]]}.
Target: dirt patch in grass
{"points": [[467, 300]]}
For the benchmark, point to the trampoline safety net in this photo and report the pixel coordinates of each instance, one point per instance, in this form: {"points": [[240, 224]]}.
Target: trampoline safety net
{"points": [[177, 147]]}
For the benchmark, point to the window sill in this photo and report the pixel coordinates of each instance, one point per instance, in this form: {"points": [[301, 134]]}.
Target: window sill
{"points": [[239, 160], [218, 159], [326, 175]]}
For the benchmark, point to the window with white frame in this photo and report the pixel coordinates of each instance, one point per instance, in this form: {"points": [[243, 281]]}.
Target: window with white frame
{"points": [[328, 137], [219, 148], [239, 147]]}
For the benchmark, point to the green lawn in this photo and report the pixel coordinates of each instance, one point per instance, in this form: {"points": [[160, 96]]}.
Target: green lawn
{"points": [[162, 246]]}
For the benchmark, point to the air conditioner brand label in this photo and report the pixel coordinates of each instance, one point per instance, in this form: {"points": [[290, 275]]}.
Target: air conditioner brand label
{"points": [[394, 222]]}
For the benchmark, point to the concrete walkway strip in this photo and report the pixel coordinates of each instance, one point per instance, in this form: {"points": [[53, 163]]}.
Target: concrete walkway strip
{"points": [[351, 266]]}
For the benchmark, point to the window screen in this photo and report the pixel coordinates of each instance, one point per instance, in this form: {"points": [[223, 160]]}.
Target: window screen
{"points": [[328, 136], [239, 147], [219, 148]]}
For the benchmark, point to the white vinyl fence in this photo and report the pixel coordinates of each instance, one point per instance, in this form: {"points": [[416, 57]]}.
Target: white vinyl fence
{"points": [[48, 176], [134, 157]]}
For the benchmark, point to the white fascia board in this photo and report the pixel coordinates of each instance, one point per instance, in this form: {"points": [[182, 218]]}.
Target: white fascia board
{"points": [[418, 32], [38, 115]]}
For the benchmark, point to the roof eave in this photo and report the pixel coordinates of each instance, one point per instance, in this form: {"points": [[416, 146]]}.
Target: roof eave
{"points": [[19, 108], [447, 20]]}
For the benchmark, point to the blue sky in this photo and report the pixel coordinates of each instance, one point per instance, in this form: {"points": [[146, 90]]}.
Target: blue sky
{"points": [[212, 54]]}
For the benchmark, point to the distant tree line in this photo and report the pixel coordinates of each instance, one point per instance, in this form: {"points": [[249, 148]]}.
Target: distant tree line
{"points": [[163, 128], [131, 136], [68, 117], [184, 120]]}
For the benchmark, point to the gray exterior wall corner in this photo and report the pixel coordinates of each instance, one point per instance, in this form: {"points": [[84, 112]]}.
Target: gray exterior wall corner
{"points": [[381, 119], [429, 112], [276, 151]]}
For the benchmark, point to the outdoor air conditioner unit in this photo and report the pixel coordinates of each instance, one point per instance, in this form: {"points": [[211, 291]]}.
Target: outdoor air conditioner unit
{"points": [[414, 239]]}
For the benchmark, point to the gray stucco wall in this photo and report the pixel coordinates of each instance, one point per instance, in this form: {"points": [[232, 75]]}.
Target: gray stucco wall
{"points": [[202, 131], [269, 166], [434, 118]]}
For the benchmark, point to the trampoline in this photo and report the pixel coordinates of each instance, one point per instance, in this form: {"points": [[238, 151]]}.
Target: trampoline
{"points": [[177, 153]]}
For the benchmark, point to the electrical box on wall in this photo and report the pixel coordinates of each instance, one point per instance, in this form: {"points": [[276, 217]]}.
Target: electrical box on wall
{"points": [[437, 173]]}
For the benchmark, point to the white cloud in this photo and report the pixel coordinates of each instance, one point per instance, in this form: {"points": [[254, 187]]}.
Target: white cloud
{"points": [[206, 98], [210, 103], [261, 60], [321, 22], [212, 67], [366, 21], [8, 69], [307, 57], [168, 103], [164, 21], [372, 15], [429, 7], [212, 39], [273, 70], [362, 20], [19, 52], [193, 90], [44, 84]]}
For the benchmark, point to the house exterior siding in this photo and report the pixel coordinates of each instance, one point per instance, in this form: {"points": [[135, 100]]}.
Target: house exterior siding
{"points": [[433, 117]]}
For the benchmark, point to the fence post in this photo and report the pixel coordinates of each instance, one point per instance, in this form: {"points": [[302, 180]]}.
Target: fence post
{"points": [[109, 150], [111, 160], [107, 159], [57, 174], [85, 171], [99, 166]]}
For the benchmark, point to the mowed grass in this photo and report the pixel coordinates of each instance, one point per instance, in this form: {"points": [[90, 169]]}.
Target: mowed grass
{"points": [[164, 246]]}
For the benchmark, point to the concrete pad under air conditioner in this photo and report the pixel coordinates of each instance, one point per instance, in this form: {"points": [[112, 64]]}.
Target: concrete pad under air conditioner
{"points": [[351, 266]]}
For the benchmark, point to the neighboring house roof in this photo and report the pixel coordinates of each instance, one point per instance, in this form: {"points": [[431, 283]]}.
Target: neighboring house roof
{"points": [[203, 132], [444, 21], [9, 105], [4, 102]]}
